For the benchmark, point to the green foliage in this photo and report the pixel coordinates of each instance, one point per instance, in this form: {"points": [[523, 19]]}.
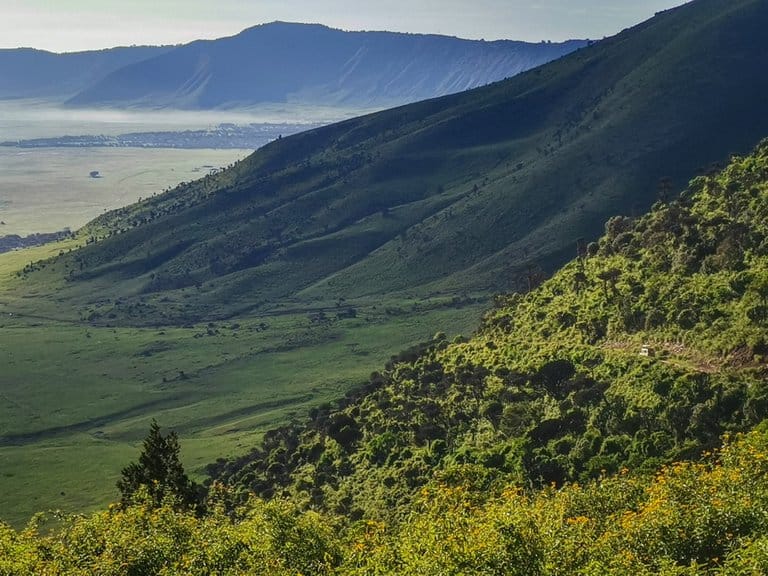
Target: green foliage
{"points": [[553, 387], [158, 474], [690, 519], [464, 457], [479, 192], [545, 444]]}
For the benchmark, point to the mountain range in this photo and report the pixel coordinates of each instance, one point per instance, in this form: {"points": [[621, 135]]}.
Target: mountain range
{"points": [[479, 191], [30, 73], [273, 63]]}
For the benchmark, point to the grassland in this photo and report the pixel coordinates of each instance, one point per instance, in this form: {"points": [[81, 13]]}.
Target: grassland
{"points": [[76, 399], [50, 189]]}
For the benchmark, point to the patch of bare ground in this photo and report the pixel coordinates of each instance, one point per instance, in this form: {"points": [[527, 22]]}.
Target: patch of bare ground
{"points": [[670, 352], [744, 357]]}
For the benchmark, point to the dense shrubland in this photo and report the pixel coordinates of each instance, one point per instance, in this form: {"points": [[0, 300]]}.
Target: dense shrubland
{"points": [[545, 444], [689, 518], [553, 388]]}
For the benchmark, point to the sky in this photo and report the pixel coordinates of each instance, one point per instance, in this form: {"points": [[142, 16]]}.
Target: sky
{"points": [[72, 25]]}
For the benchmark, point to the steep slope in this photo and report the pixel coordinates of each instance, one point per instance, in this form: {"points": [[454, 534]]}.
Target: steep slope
{"points": [[30, 73], [555, 386], [458, 438], [314, 64], [477, 191]]}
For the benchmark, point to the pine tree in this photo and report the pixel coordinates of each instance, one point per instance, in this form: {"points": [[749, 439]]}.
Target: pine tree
{"points": [[159, 471]]}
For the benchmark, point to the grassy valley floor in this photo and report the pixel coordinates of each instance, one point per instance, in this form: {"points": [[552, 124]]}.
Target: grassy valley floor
{"points": [[76, 399]]}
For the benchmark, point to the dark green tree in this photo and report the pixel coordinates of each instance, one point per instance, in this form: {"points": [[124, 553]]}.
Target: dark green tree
{"points": [[159, 471]]}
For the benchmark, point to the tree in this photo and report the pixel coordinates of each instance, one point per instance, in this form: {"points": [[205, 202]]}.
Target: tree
{"points": [[554, 377], [609, 276], [159, 471]]}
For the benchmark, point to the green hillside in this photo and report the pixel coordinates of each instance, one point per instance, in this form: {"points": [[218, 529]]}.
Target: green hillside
{"points": [[230, 305], [542, 446], [608, 420], [690, 519], [555, 387], [463, 193]]}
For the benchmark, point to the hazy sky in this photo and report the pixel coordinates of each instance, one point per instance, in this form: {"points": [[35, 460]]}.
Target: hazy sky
{"points": [[68, 25]]}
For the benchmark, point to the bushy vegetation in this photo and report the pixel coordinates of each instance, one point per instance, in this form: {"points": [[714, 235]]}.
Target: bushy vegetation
{"points": [[704, 518], [577, 432], [554, 387]]}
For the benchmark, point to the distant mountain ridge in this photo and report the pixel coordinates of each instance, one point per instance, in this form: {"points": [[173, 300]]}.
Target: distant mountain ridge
{"points": [[315, 64], [479, 191], [30, 73]]}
